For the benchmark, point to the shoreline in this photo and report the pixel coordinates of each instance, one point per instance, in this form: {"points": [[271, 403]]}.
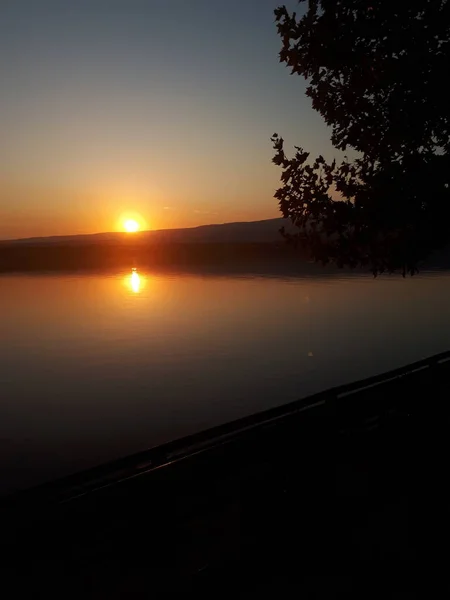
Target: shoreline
{"points": [[217, 257], [325, 482]]}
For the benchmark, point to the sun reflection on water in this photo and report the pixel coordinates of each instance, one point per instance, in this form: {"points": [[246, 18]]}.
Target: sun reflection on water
{"points": [[135, 281]]}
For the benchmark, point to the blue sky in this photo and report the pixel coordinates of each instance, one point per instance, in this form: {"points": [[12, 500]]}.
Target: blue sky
{"points": [[160, 108]]}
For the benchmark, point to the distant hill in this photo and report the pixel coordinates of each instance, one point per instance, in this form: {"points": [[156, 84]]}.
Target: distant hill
{"points": [[238, 245], [254, 246], [255, 232]]}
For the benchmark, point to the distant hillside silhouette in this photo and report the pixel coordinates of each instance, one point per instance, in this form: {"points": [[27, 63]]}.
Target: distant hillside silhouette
{"points": [[255, 247], [255, 232], [244, 246]]}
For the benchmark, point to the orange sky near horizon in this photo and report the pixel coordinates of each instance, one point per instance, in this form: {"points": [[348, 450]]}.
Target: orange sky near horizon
{"points": [[160, 109], [94, 211]]}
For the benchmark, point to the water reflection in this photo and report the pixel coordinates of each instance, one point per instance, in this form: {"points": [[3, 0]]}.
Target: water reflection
{"points": [[144, 357], [135, 281]]}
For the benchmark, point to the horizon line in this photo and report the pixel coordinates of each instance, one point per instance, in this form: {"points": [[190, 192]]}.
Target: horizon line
{"points": [[136, 233]]}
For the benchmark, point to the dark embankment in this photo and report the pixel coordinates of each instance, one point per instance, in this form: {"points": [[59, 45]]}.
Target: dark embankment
{"points": [[240, 244], [122, 252], [346, 491], [127, 254]]}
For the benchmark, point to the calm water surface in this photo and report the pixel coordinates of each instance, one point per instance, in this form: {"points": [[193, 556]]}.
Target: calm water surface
{"points": [[94, 367]]}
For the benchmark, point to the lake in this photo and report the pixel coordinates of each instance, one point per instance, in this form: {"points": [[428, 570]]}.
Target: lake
{"points": [[97, 366]]}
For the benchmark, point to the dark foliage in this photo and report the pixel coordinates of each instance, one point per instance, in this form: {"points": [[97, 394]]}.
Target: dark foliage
{"points": [[377, 72]]}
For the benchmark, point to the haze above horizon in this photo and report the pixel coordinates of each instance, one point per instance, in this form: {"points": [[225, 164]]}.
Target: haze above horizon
{"points": [[161, 109]]}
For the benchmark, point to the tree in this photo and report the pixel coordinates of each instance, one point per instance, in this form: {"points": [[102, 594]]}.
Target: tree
{"points": [[377, 73]]}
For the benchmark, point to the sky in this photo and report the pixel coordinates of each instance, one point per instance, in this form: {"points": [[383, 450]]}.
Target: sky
{"points": [[159, 110]]}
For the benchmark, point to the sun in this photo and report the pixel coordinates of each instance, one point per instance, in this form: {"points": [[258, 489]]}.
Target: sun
{"points": [[131, 226]]}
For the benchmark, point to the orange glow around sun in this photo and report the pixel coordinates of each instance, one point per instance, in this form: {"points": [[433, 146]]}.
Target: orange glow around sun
{"points": [[131, 226]]}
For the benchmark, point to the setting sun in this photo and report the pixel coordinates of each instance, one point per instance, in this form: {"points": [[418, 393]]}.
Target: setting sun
{"points": [[131, 226]]}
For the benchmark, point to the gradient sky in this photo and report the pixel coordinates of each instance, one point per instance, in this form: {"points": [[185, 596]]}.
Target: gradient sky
{"points": [[162, 108]]}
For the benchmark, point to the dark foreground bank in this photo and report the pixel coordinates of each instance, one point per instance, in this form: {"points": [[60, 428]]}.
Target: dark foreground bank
{"points": [[341, 493], [125, 253]]}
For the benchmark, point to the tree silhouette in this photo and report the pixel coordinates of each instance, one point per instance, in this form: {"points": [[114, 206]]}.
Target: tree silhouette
{"points": [[377, 73]]}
